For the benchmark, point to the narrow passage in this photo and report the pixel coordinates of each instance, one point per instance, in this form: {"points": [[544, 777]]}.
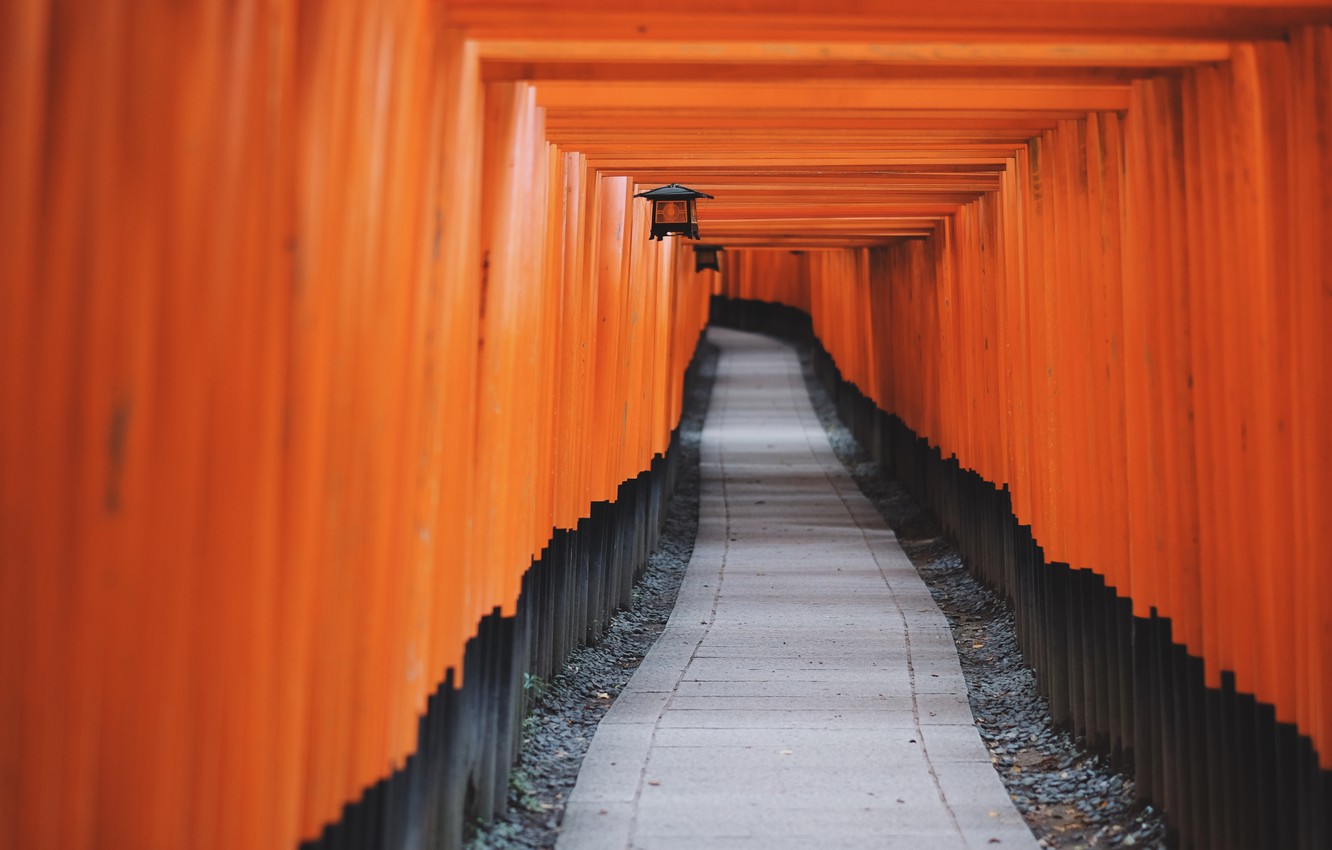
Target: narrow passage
{"points": [[806, 691]]}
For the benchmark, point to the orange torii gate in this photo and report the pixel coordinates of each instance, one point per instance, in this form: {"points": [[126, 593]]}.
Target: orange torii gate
{"points": [[323, 327]]}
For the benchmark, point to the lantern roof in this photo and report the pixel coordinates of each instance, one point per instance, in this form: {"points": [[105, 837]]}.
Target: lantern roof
{"points": [[673, 192]]}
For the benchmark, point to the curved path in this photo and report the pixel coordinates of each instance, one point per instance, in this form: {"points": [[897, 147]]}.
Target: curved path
{"points": [[806, 691]]}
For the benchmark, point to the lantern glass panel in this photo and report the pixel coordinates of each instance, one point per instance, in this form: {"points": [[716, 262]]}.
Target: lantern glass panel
{"points": [[672, 212]]}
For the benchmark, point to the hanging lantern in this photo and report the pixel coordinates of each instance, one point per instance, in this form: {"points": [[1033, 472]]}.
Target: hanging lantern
{"points": [[705, 257], [673, 210]]}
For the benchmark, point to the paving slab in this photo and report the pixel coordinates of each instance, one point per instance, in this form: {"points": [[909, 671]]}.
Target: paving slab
{"points": [[806, 691]]}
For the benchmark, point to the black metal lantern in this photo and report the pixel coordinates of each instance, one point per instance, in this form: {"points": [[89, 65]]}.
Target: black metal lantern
{"points": [[673, 210], [705, 257]]}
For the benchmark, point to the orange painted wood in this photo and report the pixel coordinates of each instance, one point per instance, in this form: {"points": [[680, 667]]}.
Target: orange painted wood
{"points": [[315, 321], [1140, 399], [247, 527]]}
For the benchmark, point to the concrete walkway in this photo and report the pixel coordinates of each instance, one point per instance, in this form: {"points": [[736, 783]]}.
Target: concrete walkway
{"points": [[806, 692]]}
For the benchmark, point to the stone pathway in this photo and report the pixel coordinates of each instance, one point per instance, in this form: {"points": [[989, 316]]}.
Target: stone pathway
{"points": [[806, 691]]}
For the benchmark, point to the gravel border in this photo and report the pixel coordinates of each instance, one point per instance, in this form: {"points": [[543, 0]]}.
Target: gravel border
{"points": [[566, 710], [1070, 798]]}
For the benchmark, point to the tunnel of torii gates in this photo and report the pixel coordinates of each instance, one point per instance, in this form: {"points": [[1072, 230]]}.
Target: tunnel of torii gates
{"points": [[339, 376]]}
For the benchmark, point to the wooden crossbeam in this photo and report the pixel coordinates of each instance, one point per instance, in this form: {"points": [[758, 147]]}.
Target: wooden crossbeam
{"points": [[689, 57], [980, 93], [887, 21], [853, 120]]}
